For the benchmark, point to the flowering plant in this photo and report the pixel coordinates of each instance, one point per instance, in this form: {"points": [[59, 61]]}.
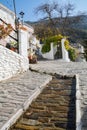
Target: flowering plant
{"points": [[5, 30]]}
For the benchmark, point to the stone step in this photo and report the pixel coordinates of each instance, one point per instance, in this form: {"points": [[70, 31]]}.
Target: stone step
{"points": [[53, 109]]}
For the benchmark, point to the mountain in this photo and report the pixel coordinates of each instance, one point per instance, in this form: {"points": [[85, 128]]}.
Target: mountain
{"points": [[82, 24], [78, 30]]}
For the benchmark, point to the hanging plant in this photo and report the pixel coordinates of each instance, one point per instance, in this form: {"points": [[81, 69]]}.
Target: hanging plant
{"points": [[5, 30]]}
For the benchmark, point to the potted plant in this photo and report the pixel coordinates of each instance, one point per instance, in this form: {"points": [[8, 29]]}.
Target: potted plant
{"points": [[13, 45]]}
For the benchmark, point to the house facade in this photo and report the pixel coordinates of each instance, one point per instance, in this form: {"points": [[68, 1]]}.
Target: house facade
{"points": [[8, 17], [25, 35], [13, 63]]}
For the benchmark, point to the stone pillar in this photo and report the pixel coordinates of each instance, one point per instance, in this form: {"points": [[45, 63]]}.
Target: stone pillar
{"points": [[65, 55], [23, 43]]}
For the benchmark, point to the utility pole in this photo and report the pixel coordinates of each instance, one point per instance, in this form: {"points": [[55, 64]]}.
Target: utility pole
{"points": [[16, 24], [14, 7], [15, 12]]}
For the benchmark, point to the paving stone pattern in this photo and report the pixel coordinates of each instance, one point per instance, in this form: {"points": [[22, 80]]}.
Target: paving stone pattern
{"points": [[54, 108], [16, 91], [70, 68]]}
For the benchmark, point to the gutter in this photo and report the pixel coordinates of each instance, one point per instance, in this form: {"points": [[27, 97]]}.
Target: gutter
{"points": [[78, 105]]}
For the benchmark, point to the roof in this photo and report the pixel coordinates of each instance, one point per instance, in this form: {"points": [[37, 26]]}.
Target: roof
{"points": [[6, 9], [29, 26]]}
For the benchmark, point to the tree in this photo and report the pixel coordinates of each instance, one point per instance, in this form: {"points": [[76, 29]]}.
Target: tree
{"points": [[43, 31], [48, 10], [59, 17]]}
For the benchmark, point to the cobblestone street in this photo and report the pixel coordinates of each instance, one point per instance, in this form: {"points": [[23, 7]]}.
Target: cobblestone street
{"points": [[17, 93], [53, 109], [68, 68]]}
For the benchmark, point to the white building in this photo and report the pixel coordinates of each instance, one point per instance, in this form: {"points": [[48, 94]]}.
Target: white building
{"points": [[13, 63], [8, 17]]}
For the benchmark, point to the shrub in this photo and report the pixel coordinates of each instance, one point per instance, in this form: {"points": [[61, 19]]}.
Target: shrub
{"points": [[72, 54], [67, 46], [55, 40], [46, 48]]}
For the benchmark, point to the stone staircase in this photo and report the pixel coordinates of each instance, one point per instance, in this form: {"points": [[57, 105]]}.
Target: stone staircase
{"points": [[70, 68], [17, 93], [53, 109]]}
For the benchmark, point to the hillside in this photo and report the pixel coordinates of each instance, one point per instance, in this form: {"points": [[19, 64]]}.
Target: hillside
{"points": [[76, 31]]}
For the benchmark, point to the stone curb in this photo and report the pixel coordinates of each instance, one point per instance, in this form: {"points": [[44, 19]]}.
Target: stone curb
{"points": [[78, 104], [15, 117]]}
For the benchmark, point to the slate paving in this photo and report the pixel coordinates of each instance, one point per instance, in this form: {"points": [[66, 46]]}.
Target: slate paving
{"points": [[16, 92], [53, 109]]}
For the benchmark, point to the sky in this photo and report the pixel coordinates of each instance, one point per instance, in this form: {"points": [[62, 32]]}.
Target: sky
{"points": [[29, 6]]}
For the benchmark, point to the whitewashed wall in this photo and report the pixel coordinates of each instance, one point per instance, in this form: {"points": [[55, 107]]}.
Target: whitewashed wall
{"points": [[11, 63], [23, 42], [50, 54], [65, 55], [7, 15]]}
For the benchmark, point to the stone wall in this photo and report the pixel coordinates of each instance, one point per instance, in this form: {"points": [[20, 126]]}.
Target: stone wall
{"points": [[11, 63]]}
